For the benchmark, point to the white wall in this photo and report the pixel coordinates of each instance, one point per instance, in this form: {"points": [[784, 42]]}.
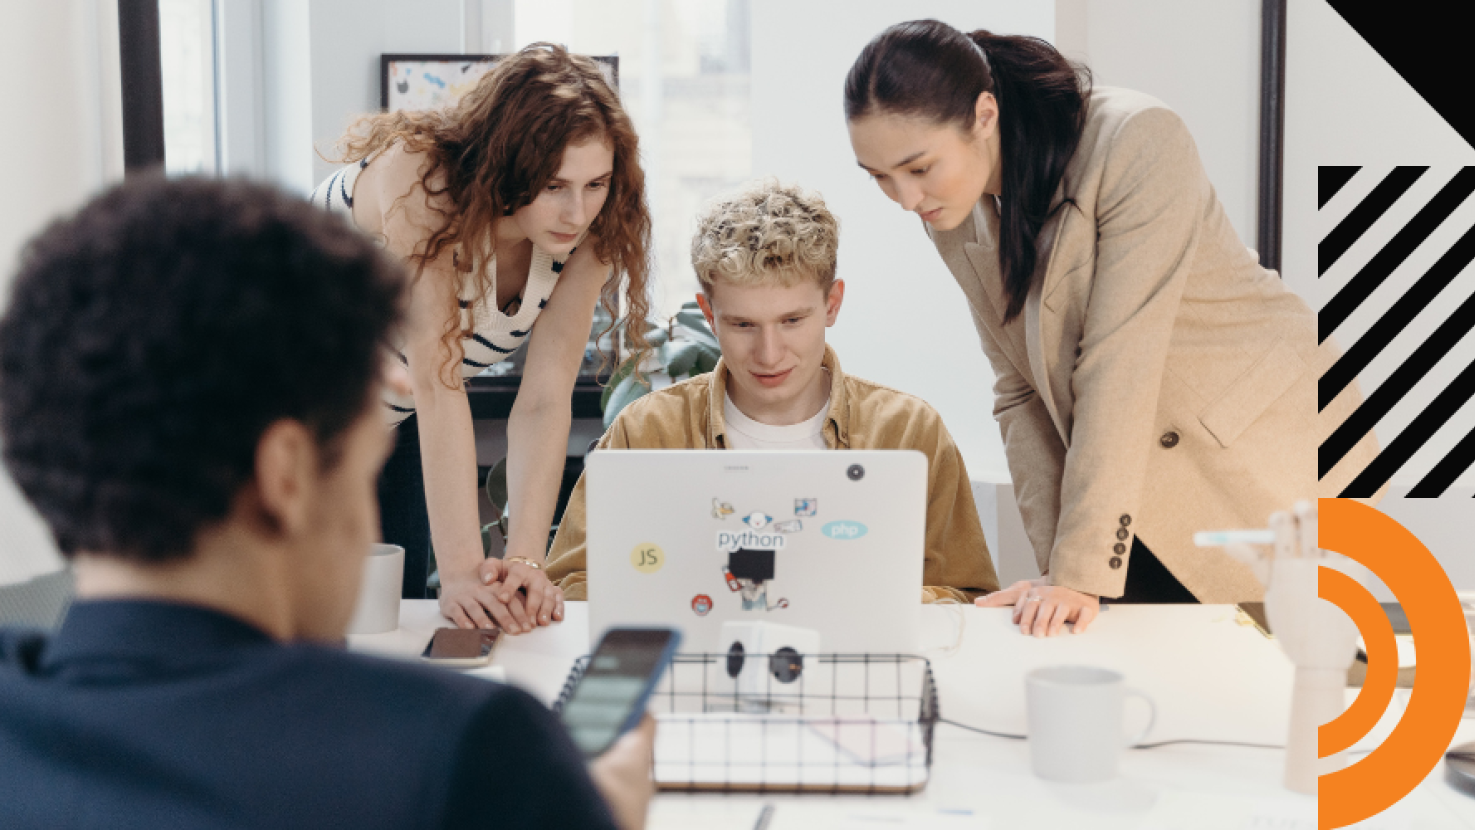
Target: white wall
{"points": [[905, 322], [318, 70], [1201, 59], [348, 36], [72, 148]]}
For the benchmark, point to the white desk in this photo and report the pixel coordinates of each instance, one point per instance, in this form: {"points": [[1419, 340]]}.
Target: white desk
{"points": [[1211, 678]]}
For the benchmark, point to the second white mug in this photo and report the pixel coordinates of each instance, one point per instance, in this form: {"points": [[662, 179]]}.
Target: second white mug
{"points": [[377, 609], [1075, 722]]}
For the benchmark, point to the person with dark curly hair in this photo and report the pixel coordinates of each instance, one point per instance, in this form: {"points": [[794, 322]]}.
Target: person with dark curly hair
{"points": [[190, 375], [517, 210]]}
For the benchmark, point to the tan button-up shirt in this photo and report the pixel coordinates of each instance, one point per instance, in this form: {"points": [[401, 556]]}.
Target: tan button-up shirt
{"points": [[862, 416]]}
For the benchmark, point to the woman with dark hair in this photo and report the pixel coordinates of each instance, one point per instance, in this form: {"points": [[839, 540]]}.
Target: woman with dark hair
{"points": [[524, 203], [1152, 379]]}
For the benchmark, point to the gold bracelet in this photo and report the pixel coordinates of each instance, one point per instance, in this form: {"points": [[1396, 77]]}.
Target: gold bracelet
{"points": [[524, 560]]}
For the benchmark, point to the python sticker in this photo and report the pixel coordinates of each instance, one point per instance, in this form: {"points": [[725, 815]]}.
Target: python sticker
{"points": [[732, 540], [844, 530]]}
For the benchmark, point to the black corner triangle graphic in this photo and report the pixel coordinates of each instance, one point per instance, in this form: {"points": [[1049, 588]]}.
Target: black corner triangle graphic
{"points": [[1423, 51], [1331, 179]]}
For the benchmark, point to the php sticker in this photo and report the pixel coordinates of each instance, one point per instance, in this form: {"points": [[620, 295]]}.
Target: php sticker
{"points": [[844, 530], [805, 507], [701, 604]]}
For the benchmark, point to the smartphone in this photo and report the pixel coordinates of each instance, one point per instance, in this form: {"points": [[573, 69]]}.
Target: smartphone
{"points": [[461, 647], [611, 696]]}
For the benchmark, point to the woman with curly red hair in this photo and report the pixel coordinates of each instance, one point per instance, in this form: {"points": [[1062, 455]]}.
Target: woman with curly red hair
{"points": [[516, 210]]}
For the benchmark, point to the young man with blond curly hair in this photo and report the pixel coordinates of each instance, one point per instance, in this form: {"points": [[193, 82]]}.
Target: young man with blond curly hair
{"points": [[766, 259]]}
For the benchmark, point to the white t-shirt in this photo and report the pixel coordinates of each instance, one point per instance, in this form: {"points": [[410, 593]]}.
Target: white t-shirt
{"points": [[744, 433]]}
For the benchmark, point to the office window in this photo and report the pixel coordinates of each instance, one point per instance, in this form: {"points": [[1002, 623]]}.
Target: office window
{"points": [[187, 63], [684, 80]]}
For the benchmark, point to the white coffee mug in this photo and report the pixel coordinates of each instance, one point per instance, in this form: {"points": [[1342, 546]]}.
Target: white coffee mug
{"points": [[1075, 722], [377, 610]]}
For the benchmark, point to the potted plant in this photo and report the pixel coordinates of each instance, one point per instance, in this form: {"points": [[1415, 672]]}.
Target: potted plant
{"points": [[682, 346]]}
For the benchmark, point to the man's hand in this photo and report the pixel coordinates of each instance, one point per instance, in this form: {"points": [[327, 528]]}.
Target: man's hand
{"points": [[1043, 610], [622, 775]]}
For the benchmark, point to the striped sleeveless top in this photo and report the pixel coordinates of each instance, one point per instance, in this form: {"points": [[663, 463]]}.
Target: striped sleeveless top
{"points": [[495, 333]]}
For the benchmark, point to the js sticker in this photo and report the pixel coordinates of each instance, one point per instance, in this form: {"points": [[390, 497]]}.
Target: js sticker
{"points": [[647, 558]]}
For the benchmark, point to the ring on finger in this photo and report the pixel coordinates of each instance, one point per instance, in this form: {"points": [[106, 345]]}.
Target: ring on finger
{"points": [[1032, 598]]}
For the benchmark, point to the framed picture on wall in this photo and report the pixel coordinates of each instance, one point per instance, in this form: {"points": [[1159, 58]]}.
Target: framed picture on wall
{"points": [[423, 82]]}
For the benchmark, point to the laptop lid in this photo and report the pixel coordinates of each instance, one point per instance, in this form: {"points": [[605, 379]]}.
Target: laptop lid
{"points": [[829, 540]]}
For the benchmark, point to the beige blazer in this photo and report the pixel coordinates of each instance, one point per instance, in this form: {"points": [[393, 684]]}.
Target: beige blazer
{"points": [[1159, 381]]}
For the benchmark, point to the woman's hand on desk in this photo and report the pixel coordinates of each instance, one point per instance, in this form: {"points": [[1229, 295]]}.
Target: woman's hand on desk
{"points": [[514, 597], [1043, 610], [531, 599]]}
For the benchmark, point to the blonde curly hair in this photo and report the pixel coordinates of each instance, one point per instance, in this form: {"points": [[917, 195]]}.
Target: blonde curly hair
{"points": [[767, 233]]}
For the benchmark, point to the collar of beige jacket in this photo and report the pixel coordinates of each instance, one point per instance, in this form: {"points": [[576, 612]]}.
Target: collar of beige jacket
{"points": [[985, 262], [837, 432]]}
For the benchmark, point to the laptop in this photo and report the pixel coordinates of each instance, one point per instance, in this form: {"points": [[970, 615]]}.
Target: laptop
{"points": [[828, 540]]}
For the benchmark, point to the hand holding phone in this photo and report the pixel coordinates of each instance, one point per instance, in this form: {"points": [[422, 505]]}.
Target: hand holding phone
{"points": [[611, 696], [623, 774]]}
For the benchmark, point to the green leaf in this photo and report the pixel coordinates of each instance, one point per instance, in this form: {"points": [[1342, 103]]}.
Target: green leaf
{"points": [[620, 374], [703, 336], [497, 484], [690, 319], [630, 389], [706, 362], [657, 336], [681, 357]]}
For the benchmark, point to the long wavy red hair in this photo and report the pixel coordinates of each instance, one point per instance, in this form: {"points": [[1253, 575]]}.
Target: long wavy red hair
{"points": [[496, 149]]}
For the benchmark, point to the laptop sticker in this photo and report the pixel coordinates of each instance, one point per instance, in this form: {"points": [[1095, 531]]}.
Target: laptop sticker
{"points": [[791, 526], [730, 540], [701, 604], [647, 558], [732, 583], [844, 530], [805, 507], [721, 509], [757, 521], [753, 570]]}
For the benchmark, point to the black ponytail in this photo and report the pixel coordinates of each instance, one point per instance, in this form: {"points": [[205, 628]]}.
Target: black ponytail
{"points": [[927, 68]]}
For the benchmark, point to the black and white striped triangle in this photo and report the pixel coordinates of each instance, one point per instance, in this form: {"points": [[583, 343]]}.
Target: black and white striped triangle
{"points": [[1395, 261]]}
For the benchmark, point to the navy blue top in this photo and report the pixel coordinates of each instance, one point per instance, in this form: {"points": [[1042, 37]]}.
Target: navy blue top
{"points": [[155, 715]]}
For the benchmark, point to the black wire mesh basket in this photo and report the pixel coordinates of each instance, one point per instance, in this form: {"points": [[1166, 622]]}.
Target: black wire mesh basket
{"points": [[790, 722]]}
